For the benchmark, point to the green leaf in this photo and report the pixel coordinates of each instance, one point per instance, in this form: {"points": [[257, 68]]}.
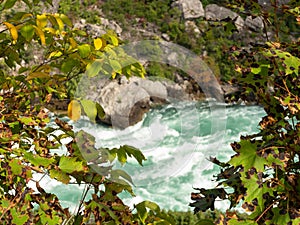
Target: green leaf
{"points": [[27, 121], [5, 203], [70, 164], [136, 153], [18, 218], [69, 64], [27, 32], [296, 221], [100, 111], [255, 190], [89, 108], [84, 50], [9, 4], [204, 222], [279, 218], [115, 65], [119, 175], [142, 209], [60, 176], [263, 68], [66, 20], [16, 166], [247, 156], [141, 212], [93, 69], [241, 222], [49, 219], [80, 32], [37, 160], [291, 63], [122, 157], [114, 40]]}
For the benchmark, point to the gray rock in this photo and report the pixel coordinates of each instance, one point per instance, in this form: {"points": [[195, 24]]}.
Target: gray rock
{"points": [[191, 9], [154, 88], [255, 24], [124, 101], [175, 91], [129, 105], [165, 37], [99, 29], [111, 25], [268, 3], [217, 13], [229, 89]]}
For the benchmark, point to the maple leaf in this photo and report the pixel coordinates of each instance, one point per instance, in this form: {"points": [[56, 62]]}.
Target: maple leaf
{"points": [[247, 156], [256, 188]]}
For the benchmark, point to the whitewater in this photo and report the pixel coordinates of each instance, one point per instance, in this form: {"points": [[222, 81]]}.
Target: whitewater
{"points": [[177, 140]]}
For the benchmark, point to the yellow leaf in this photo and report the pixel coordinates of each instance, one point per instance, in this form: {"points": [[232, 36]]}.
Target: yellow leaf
{"points": [[50, 30], [26, 15], [55, 54], [41, 34], [74, 110], [59, 21], [113, 75], [97, 43], [73, 42], [13, 31], [44, 68], [37, 75], [41, 21]]}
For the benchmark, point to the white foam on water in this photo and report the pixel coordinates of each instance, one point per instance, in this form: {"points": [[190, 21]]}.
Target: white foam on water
{"points": [[177, 140]]}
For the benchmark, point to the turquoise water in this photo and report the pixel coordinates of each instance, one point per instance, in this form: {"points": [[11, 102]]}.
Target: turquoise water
{"points": [[177, 140]]}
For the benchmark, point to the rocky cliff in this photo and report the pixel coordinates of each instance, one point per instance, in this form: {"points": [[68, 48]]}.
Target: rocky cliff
{"points": [[126, 101]]}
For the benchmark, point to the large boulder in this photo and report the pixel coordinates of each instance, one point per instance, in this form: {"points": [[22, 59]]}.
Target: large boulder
{"points": [[191, 9], [125, 101], [217, 13], [254, 23]]}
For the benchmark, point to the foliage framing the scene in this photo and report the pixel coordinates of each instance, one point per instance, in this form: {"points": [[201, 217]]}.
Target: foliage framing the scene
{"points": [[28, 135], [264, 172]]}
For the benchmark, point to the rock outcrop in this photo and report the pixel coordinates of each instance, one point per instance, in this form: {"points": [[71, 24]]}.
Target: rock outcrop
{"points": [[125, 101], [98, 30], [217, 13], [191, 9], [256, 24]]}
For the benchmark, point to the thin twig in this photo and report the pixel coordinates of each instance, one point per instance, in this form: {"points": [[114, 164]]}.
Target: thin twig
{"points": [[267, 209]]}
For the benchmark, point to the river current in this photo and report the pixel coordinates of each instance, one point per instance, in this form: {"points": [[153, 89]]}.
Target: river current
{"points": [[177, 140]]}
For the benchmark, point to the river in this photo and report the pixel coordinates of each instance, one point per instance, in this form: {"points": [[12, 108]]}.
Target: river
{"points": [[177, 139]]}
